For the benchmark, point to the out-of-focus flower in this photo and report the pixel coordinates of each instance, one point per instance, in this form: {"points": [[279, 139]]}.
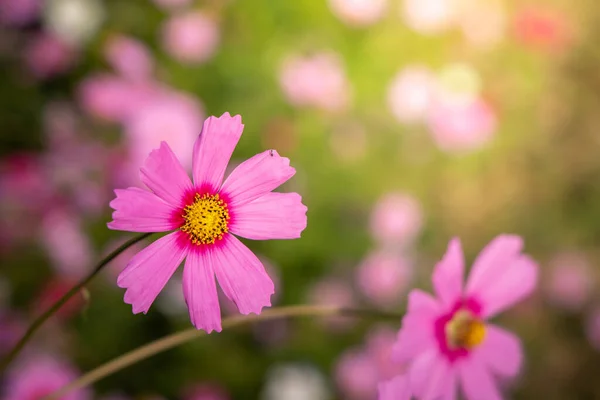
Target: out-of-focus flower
{"points": [[592, 328], [359, 370], [295, 382], [410, 93], [34, 378], [383, 277], [570, 282], [53, 291], [396, 219], [206, 391], [191, 38], [447, 342], [46, 55], [459, 127], [543, 29], [176, 118], [333, 292], [317, 81], [74, 21], [65, 242], [172, 4], [428, 16], [358, 12], [397, 388], [204, 216], [19, 12], [129, 57], [483, 23]]}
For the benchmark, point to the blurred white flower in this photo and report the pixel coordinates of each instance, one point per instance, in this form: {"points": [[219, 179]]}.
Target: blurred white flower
{"points": [[295, 382], [358, 12], [75, 21], [428, 16], [410, 92]]}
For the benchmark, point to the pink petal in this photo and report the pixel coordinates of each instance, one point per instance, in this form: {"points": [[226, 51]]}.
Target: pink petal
{"points": [[417, 333], [200, 292], [477, 383], [163, 174], [492, 260], [516, 282], [432, 377], [137, 210], [448, 274], [501, 351], [149, 270], [241, 276], [256, 177], [397, 388], [213, 149], [272, 216]]}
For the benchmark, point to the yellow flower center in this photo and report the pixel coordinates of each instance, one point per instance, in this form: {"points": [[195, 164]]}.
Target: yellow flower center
{"points": [[464, 330], [206, 219]]}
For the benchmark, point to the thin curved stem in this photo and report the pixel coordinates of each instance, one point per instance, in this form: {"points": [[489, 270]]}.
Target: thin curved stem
{"points": [[178, 338], [35, 325]]}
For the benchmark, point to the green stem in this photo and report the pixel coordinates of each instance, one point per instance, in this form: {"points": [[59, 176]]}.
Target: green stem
{"points": [[56, 306], [178, 338]]}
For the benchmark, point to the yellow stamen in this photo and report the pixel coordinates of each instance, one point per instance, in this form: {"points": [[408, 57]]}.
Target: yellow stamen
{"points": [[206, 219], [464, 330]]}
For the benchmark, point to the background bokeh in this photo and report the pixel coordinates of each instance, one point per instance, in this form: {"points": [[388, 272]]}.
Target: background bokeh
{"points": [[409, 122]]}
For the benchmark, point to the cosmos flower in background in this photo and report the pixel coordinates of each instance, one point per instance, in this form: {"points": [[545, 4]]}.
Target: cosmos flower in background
{"points": [[383, 277], [410, 93], [316, 80], [359, 370], [295, 381], [570, 281], [333, 291], [204, 216], [446, 341], [396, 220], [358, 12], [428, 17], [129, 57], [46, 56], [38, 376], [397, 388], [191, 38], [18, 13]]}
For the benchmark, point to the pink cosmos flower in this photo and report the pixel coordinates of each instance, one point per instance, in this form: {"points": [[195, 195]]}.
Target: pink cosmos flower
{"points": [[19, 12], [332, 291], [191, 38], [47, 55], [204, 216], [397, 388], [383, 277], [129, 57], [396, 219], [38, 377], [570, 282], [410, 93], [447, 341]]}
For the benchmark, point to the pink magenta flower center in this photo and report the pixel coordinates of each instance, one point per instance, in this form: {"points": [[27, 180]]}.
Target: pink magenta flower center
{"points": [[464, 330], [206, 220]]}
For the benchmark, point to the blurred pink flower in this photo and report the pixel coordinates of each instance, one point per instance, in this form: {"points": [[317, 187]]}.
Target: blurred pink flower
{"points": [[446, 340], [428, 16], [129, 57], [543, 29], [483, 23], [12, 328], [359, 370], [315, 81], [592, 328], [203, 217], [358, 12], [66, 243], [20, 12], [60, 122], [176, 118], [113, 98], [397, 388], [383, 277], [172, 4], [332, 291], [410, 93], [191, 38], [205, 391], [47, 55], [570, 281], [459, 127], [396, 219], [36, 377]]}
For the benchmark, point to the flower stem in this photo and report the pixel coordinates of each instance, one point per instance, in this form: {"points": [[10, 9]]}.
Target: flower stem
{"points": [[175, 339], [35, 325]]}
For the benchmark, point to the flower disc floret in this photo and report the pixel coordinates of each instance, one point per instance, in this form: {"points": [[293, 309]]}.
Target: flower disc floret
{"points": [[206, 220]]}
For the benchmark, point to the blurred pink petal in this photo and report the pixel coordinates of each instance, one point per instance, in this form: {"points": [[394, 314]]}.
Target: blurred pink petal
{"points": [[396, 219], [191, 38], [358, 12], [200, 291], [129, 57], [355, 375], [410, 93], [570, 281], [383, 277], [331, 291], [448, 274], [428, 16], [315, 81], [46, 56], [21, 12], [397, 388]]}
